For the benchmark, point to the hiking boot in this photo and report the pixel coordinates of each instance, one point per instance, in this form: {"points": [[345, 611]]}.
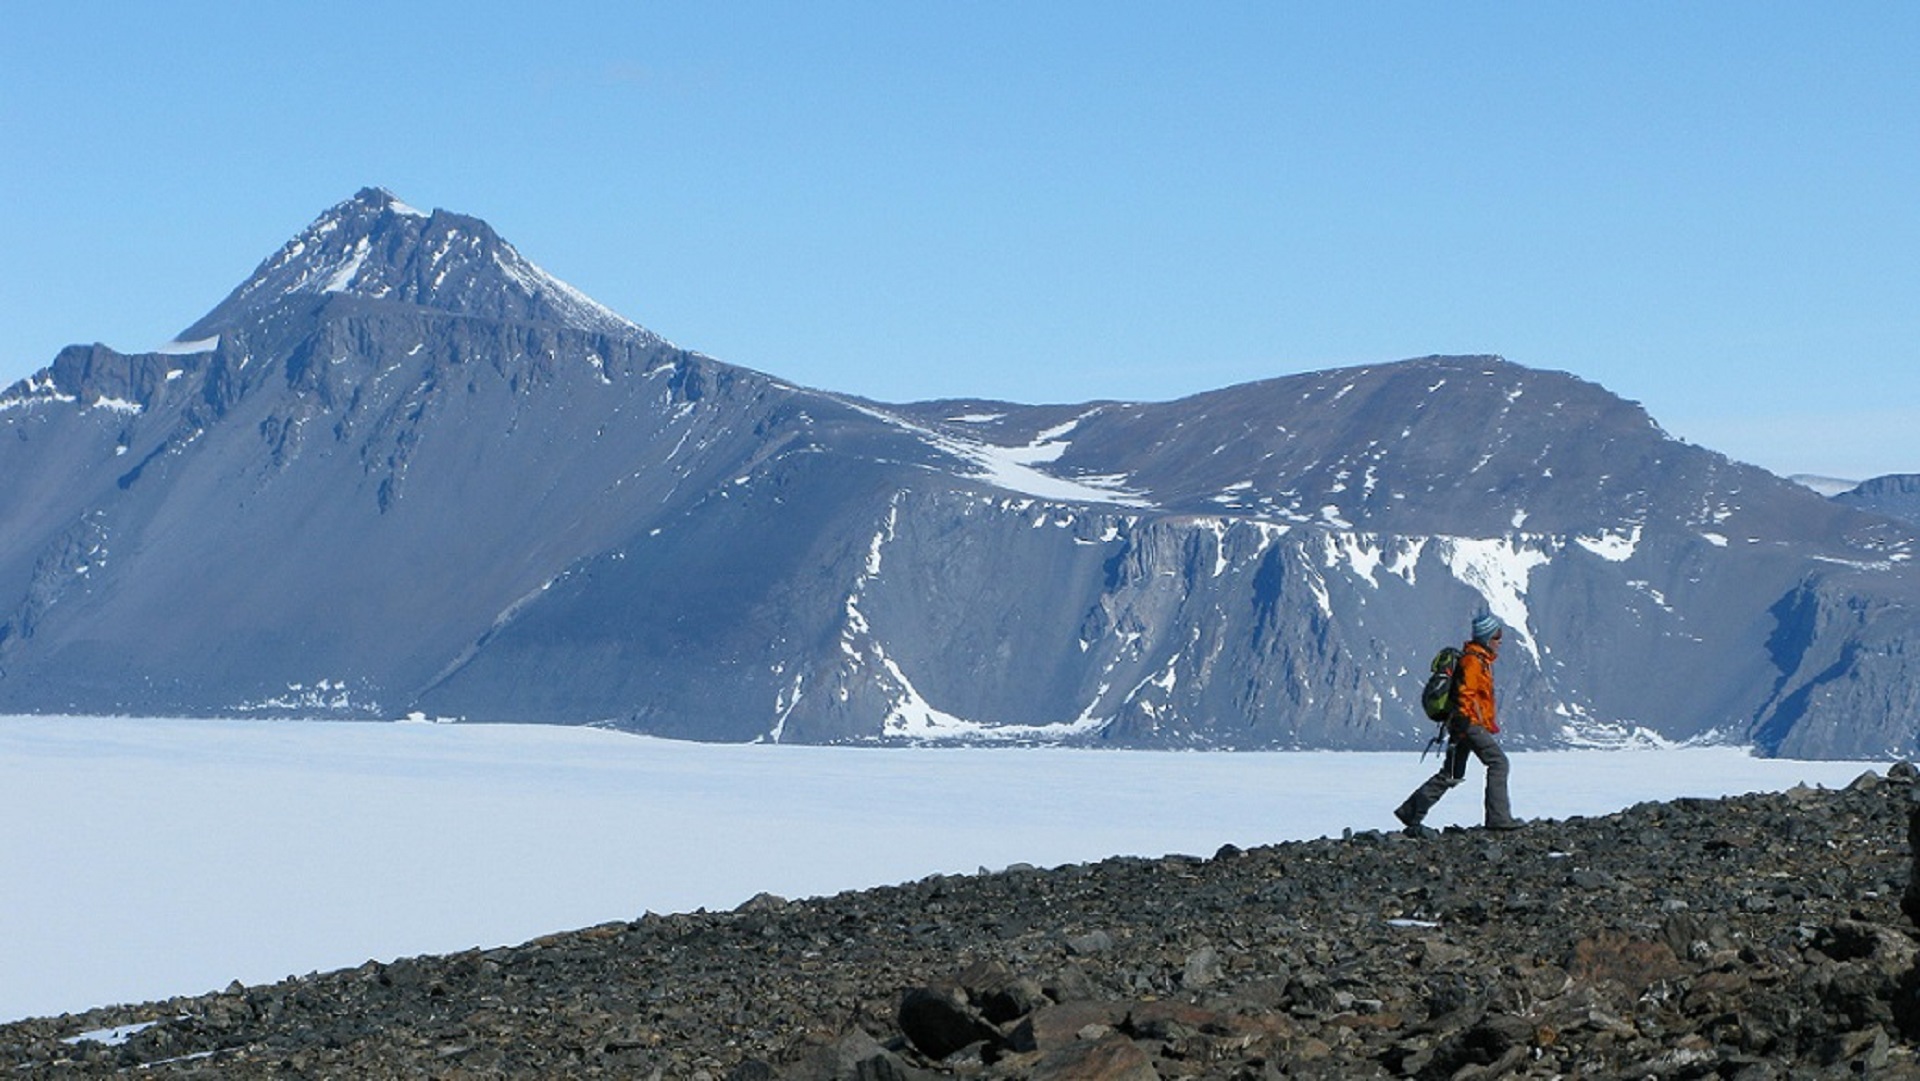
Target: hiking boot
{"points": [[1412, 824], [1509, 824]]}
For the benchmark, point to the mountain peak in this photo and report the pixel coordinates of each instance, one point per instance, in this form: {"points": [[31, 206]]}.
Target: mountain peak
{"points": [[379, 200], [376, 246]]}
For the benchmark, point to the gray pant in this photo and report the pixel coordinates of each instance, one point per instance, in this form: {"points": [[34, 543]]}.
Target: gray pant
{"points": [[1480, 743]]}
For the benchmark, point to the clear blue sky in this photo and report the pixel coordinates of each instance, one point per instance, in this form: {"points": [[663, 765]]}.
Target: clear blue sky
{"points": [[1711, 208]]}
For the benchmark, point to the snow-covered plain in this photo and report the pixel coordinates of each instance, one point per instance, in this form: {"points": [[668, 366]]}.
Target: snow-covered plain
{"points": [[141, 859]]}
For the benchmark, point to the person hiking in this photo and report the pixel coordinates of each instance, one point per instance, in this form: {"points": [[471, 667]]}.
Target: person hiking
{"points": [[1471, 729]]}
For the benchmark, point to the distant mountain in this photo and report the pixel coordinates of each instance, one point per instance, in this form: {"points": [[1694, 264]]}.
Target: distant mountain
{"points": [[402, 469], [1827, 486], [377, 247], [1896, 496]]}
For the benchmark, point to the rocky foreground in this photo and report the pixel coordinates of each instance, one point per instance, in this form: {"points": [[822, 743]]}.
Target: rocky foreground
{"points": [[1753, 937]]}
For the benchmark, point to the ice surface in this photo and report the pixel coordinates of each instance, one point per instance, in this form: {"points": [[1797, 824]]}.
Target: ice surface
{"points": [[151, 858]]}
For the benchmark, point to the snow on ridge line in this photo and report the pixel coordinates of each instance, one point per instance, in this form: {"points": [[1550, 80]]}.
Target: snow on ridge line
{"points": [[1369, 553], [1014, 468], [534, 281], [23, 402], [38, 391]]}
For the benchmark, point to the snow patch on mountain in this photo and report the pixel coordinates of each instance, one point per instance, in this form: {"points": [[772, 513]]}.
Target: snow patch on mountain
{"points": [[342, 278], [915, 720], [1366, 555], [34, 390], [319, 698], [1016, 468], [1615, 547], [910, 717], [1499, 569]]}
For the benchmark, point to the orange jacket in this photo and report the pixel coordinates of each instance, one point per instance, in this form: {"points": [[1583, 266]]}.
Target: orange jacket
{"points": [[1474, 697]]}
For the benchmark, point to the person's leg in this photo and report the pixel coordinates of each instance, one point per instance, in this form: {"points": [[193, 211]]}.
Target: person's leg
{"points": [[1487, 750], [1453, 769]]}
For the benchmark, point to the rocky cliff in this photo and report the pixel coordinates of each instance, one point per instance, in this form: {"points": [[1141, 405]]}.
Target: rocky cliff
{"points": [[1896, 496], [1752, 937]]}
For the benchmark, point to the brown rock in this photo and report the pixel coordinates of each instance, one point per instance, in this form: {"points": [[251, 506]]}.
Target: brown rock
{"points": [[1162, 1020], [1053, 1027], [1112, 1058], [1611, 957]]}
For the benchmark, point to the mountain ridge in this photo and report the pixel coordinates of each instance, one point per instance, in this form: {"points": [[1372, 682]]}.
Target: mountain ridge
{"points": [[473, 497], [1896, 495]]}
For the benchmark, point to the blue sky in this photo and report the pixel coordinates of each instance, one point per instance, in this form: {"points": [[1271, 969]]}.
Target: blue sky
{"points": [[1713, 209]]}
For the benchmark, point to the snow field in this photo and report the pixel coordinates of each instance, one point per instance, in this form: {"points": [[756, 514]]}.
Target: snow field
{"points": [[142, 859]]}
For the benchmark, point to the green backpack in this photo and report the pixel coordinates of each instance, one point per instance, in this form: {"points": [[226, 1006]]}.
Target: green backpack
{"points": [[1437, 696]]}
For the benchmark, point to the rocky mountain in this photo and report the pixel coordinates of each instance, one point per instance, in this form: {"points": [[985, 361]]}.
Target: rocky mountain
{"points": [[1896, 496], [401, 469], [1758, 937]]}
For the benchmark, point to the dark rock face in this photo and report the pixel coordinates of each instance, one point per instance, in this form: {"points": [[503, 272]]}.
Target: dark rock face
{"points": [[1752, 937], [401, 469], [1896, 496]]}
